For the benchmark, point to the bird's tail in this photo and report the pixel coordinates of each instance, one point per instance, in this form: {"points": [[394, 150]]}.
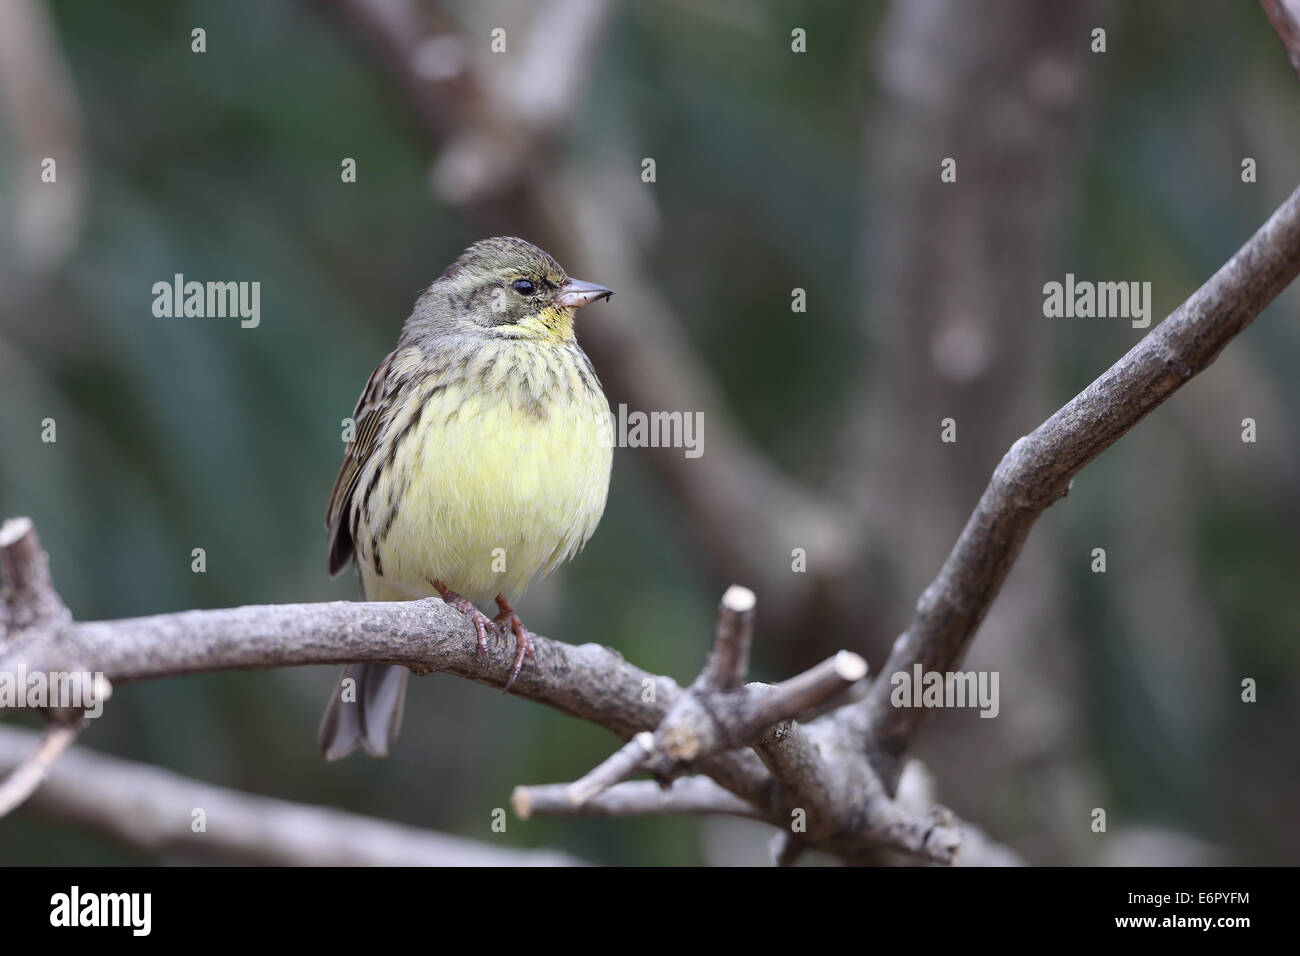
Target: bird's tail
{"points": [[365, 710]]}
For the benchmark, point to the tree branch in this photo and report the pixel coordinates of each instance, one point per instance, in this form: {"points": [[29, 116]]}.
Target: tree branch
{"points": [[28, 772], [700, 730], [154, 811], [1038, 469], [586, 681], [38, 101], [816, 773], [1285, 17], [686, 796], [28, 595], [831, 802], [729, 662]]}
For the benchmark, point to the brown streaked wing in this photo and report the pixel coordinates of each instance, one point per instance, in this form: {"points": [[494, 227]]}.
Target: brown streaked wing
{"points": [[369, 415]]}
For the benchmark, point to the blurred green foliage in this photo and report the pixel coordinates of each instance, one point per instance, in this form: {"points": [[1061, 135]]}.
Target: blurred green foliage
{"points": [[175, 434]]}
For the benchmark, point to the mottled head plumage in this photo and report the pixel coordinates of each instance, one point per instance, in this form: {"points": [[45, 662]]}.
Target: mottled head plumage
{"points": [[503, 287], [504, 252]]}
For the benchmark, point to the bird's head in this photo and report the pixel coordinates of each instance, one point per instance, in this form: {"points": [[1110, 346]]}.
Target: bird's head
{"points": [[509, 288]]}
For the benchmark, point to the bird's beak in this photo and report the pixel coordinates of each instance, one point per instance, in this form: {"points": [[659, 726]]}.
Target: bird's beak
{"points": [[575, 293]]}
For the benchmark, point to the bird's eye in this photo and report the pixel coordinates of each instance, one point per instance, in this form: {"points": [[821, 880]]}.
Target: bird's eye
{"points": [[524, 286]]}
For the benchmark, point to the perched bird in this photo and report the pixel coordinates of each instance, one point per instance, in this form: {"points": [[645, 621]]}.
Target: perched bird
{"points": [[480, 460]]}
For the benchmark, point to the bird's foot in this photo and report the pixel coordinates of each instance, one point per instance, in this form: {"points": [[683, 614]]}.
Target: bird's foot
{"points": [[508, 621], [476, 617]]}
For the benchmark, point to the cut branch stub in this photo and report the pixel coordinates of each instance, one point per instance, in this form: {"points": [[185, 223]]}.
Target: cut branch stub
{"points": [[715, 715], [29, 597], [729, 661], [586, 681]]}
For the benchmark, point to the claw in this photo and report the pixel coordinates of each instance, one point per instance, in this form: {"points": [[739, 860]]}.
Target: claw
{"points": [[476, 617], [523, 638]]}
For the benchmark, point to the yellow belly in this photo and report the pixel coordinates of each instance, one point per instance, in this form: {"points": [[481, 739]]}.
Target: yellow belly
{"points": [[491, 489]]}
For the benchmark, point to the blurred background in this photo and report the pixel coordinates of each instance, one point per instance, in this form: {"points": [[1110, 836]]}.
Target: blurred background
{"points": [[775, 170]]}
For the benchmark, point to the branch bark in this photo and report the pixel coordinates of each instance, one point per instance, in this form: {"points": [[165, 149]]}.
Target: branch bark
{"points": [[153, 811], [39, 104], [700, 730], [1285, 17], [27, 774], [587, 681], [854, 816], [28, 595], [826, 800], [1039, 468], [839, 770], [688, 796]]}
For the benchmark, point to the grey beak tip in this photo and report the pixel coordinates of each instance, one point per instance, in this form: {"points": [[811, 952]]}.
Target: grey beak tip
{"points": [[577, 293]]}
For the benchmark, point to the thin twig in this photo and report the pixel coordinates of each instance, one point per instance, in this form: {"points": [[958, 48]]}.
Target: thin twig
{"points": [[804, 692], [28, 774], [685, 796], [157, 811], [624, 762], [834, 802]]}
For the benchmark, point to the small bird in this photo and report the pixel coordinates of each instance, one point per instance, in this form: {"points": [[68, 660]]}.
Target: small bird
{"points": [[481, 459]]}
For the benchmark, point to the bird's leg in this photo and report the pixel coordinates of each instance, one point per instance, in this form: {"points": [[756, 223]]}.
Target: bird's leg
{"points": [[466, 607], [524, 637]]}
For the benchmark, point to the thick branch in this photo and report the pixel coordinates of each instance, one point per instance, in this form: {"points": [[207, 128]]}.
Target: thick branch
{"points": [[823, 786], [587, 681], [154, 811], [701, 729], [1040, 466]]}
